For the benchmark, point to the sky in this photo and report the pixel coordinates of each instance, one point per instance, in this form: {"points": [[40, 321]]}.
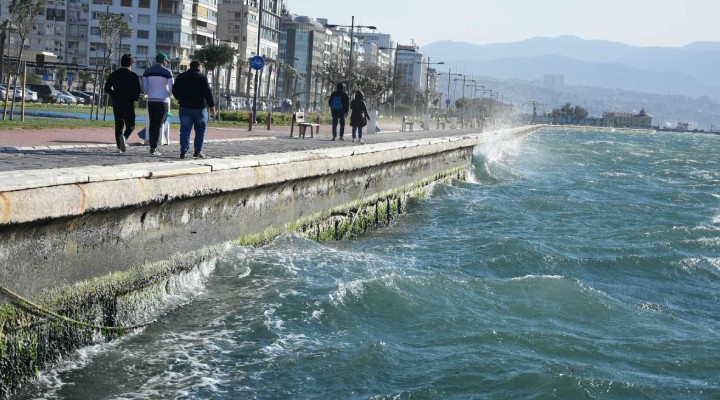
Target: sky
{"points": [[668, 23]]}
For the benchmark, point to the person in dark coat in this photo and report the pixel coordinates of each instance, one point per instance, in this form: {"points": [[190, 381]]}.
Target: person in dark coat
{"points": [[339, 103], [192, 91], [358, 115], [123, 86]]}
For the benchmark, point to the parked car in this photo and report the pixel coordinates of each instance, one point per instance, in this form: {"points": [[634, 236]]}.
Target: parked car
{"points": [[87, 98], [66, 98], [31, 96], [45, 92], [78, 99], [18, 93]]}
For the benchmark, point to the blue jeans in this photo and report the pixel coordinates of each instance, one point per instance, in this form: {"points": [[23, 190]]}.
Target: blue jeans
{"points": [[190, 117], [338, 118], [359, 131]]}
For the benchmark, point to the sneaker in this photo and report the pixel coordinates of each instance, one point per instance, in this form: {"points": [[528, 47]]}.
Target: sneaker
{"points": [[342, 139], [362, 141], [199, 154], [333, 139], [154, 152], [353, 140], [122, 146], [182, 155]]}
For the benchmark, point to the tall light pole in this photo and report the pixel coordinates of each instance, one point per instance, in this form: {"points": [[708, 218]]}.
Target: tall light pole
{"points": [[427, 80], [352, 29], [255, 92], [449, 75]]}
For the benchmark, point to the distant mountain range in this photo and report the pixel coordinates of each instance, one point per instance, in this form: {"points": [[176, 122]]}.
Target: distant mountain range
{"points": [[692, 70]]}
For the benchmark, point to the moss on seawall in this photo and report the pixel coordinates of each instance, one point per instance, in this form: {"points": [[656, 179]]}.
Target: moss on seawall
{"points": [[31, 339]]}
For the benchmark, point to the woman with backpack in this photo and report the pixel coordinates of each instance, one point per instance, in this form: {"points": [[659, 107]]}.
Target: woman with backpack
{"points": [[358, 115]]}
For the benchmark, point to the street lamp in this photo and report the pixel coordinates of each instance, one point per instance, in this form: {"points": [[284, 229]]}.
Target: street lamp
{"points": [[352, 29], [449, 75], [427, 79], [255, 91]]}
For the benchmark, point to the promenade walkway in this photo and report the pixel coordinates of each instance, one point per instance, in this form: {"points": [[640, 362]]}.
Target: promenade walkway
{"points": [[60, 148]]}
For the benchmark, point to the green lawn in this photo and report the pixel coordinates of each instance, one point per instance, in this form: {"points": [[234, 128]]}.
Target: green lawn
{"points": [[46, 123]]}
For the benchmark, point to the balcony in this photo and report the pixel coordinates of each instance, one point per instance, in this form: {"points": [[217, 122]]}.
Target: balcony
{"points": [[168, 41]]}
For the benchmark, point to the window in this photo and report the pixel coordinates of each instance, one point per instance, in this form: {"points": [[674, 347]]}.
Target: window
{"points": [[143, 19], [56, 15], [143, 34], [144, 4], [126, 3], [141, 50], [95, 30]]}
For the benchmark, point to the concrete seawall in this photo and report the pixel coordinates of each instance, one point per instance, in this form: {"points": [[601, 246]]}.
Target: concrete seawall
{"points": [[80, 240]]}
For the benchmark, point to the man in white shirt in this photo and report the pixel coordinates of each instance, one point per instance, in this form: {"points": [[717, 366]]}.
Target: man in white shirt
{"points": [[157, 82]]}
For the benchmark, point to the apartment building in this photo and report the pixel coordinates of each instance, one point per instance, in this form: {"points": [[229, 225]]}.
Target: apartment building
{"points": [[305, 51]]}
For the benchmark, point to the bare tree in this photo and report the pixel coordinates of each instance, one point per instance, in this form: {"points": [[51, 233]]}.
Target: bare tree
{"points": [[24, 19], [113, 28]]}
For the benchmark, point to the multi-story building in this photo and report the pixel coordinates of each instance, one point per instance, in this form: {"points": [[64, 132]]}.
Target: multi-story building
{"points": [[239, 23], [410, 66], [305, 52]]}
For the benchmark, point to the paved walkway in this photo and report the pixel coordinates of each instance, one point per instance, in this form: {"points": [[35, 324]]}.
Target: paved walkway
{"points": [[58, 148]]}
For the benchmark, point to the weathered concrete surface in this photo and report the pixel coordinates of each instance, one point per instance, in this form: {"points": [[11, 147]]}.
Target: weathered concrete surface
{"points": [[101, 244], [62, 226]]}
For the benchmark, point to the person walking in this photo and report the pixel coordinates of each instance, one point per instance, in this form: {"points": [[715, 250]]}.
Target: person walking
{"points": [[123, 86], [359, 115], [193, 92], [339, 103], [157, 83]]}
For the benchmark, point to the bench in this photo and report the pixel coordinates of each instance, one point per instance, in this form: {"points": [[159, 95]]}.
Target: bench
{"points": [[407, 124], [299, 119]]}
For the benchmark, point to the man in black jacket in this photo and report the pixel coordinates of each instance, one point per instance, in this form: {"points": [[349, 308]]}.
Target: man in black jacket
{"points": [[123, 85], [192, 91], [339, 103]]}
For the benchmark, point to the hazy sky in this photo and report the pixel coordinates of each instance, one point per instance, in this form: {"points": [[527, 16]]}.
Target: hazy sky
{"points": [[638, 22]]}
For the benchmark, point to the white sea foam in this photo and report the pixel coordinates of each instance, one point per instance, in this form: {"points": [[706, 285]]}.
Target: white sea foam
{"points": [[529, 277], [179, 290]]}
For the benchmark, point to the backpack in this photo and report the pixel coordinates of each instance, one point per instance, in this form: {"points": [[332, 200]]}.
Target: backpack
{"points": [[336, 103]]}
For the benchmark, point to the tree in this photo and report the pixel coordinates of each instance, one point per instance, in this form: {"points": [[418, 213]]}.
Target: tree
{"points": [[373, 81], [61, 75], [24, 18], [84, 77], [113, 28], [569, 113], [215, 55]]}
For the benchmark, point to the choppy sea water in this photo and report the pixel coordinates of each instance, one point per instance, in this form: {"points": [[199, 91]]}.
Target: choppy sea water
{"points": [[573, 265]]}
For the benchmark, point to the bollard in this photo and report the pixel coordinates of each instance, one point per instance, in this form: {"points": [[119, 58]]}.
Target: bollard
{"points": [[250, 121], [269, 121], [317, 121]]}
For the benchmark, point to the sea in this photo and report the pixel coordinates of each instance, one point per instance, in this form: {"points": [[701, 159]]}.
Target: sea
{"points": [[572, 264]]}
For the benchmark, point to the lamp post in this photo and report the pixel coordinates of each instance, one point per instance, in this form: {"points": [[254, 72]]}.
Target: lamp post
{"points": [[475, 86], [449, 75], [255, 91], [352, 29], [427, 79]]}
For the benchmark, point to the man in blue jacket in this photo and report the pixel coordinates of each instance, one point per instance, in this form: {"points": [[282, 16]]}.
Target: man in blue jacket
{"points": [[339, 103], [192, 91]]}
